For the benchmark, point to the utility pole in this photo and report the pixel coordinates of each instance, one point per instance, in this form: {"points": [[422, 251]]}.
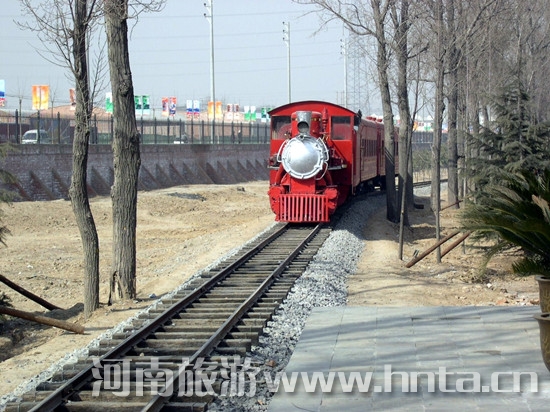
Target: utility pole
{"points": [[210, 17], [286, 39], [19, 137]]}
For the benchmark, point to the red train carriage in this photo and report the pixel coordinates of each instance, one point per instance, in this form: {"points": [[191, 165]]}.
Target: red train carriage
{"points": [[320, 154]]}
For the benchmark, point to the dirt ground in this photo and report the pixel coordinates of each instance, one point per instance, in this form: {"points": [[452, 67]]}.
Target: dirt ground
{"points": [[184, 229], [383, 279]]}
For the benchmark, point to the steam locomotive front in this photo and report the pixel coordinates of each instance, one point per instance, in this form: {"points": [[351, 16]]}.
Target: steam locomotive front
{"points": [[301, 189]]}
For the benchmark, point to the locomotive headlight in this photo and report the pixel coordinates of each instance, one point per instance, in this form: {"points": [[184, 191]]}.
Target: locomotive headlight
{"points": [[303, 156]]}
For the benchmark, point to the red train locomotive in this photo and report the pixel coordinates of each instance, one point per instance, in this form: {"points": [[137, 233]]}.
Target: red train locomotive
{"points": [[321, 154]]}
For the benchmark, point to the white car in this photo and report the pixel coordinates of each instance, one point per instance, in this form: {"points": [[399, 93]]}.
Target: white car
{"points": [[181, 140], [31, 137]]}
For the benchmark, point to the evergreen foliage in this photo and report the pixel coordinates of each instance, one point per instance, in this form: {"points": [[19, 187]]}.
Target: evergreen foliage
{"points": [[511, 176], [517, 211], [513, 141]]}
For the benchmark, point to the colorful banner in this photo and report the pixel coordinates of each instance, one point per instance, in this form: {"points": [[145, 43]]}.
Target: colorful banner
{"points": [[169, 106], [210, 109], [141, 104], [231, 109], [189, 106], [40, 97], [109, 102], [138, 103], [196, 108], [146, 107], [215, 110], [249, 113], [265, 114], [172, 105], [2, 93], [164, 103]]}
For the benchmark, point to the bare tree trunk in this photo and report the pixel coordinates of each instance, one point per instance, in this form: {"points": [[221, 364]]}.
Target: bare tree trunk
{"points": [[471, 152], [438, 120], [126, 153], [401, 24], [389, 130], [453, 61], [78, 191], [452, 145], [462, 126], [58, 323]]}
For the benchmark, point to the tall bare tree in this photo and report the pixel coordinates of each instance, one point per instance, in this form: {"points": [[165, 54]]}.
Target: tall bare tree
{"points": [[462, 23], [126, 153], [453, 58], [380, 9], [78, 191], [65, 26], [126, 141], [369, 18], [438, 118], [401, 24]]}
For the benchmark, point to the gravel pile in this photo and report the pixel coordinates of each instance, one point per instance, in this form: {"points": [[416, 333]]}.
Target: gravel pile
{"points": [[323, 284]]}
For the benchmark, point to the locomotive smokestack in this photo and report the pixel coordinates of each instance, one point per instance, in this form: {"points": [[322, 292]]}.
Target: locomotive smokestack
{"points": [[303, 120]]}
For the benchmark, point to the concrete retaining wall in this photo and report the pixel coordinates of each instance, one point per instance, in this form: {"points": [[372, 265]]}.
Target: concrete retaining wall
{"points": [[44, 171]]}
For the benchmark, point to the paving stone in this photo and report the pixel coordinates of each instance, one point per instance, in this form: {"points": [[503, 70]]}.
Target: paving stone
{"points": [[430, 358]]}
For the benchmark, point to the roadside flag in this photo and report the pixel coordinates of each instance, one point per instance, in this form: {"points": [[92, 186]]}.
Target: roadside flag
{"points": [[40, 97], [173, 106], [2, 93], [109, 102], [146, 106]]}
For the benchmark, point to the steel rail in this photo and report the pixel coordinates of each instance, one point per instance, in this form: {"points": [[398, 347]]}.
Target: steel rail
{"points": [[159, 401]]}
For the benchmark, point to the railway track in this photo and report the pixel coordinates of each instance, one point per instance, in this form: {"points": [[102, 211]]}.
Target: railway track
{"points": [[185, 351]]}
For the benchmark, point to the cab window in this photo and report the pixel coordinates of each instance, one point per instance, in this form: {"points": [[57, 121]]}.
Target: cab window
{"points": [[341, 127], [280, 127]]}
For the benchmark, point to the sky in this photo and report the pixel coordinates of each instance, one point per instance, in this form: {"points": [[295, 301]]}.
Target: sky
{"points": [[170, 54]]}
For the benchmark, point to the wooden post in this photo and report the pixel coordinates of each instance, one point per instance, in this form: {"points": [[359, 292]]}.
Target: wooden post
{"points": [[452, 204], [431, 249], [72, 327], [28, 294], [456, 243]]}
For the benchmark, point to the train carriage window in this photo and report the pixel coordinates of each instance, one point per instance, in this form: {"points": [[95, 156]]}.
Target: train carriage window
{"points": [[280, 127], [341, 127]]}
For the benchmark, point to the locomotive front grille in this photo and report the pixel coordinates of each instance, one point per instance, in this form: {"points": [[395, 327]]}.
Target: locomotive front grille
{"points": [[303, 208]]}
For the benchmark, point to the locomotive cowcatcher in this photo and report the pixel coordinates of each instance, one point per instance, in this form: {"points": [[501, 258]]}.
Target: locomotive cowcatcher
{"points": [[320, 154]]}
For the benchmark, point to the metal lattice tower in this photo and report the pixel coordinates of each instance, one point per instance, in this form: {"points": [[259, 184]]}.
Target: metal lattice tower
{"points": [[357, 93]]}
